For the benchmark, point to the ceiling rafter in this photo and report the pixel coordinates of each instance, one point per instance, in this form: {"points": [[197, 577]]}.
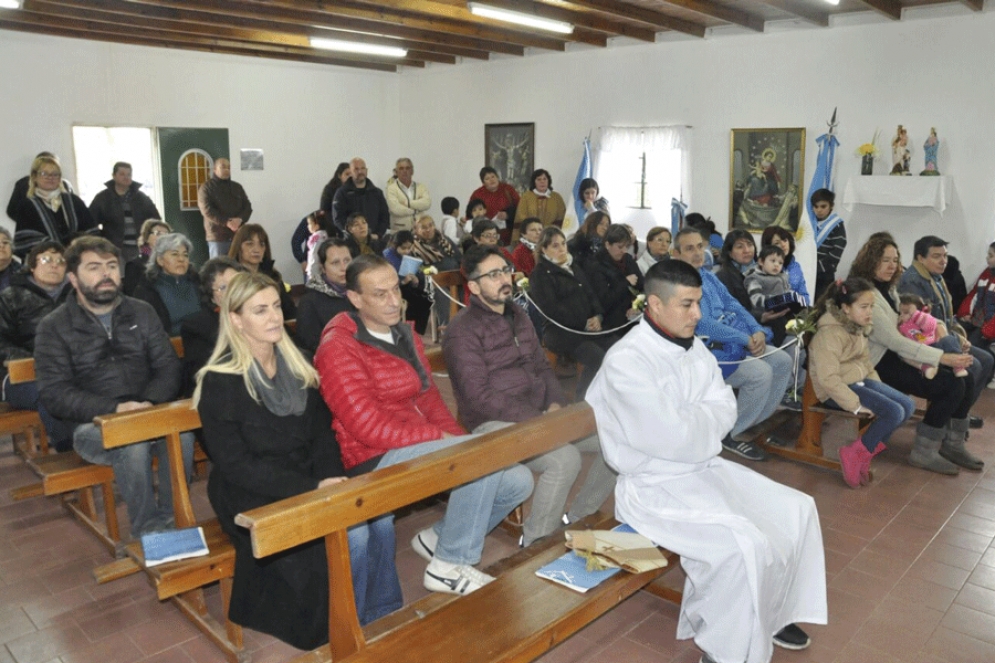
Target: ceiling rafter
{"points": [[11, 19], [976, 5], [378, 19], [632, 12], [203, 23], [722, 12], [800, 10], [889, 8]]}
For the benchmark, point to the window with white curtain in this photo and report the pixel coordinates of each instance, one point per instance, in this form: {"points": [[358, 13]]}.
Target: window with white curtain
{"points": [[640, 170]]}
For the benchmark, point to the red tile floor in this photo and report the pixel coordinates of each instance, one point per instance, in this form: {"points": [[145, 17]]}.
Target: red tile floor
{"points": [[910, 565]]}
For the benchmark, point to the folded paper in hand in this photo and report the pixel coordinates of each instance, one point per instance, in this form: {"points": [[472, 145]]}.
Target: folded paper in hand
{"points": [[621, 547]]}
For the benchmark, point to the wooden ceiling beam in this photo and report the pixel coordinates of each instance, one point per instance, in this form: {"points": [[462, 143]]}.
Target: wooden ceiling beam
{"points": [[722, 12], [656, 19], [215, 11], [540, 10], [801, 11], [19, 20], [888, 8], [376, 20], [183, 21], [976, 5], [140, 36]]}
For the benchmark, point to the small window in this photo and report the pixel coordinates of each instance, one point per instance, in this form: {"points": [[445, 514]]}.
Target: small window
{"points": [[194, 168]]}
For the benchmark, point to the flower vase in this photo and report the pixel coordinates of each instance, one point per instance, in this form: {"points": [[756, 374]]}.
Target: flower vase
{"points": [[867, 165]]}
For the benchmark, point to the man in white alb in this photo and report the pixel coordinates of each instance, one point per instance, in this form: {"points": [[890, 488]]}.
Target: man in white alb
{"points": [[751, 548]]}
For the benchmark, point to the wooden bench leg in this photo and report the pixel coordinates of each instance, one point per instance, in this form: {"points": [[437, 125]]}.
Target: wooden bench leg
{"points": [[110, 511], [193, 606], [233, 629]]}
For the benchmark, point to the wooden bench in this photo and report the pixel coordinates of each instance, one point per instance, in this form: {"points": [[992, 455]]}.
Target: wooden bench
{"points": [[183, 582], [809, 447], [517, 618], [452, 281], [25, 426]]}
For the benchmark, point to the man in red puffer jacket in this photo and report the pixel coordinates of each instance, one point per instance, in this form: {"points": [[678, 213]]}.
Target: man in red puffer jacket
{"points": [[377, 383]]}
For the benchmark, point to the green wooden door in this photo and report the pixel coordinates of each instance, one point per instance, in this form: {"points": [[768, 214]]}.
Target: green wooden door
{"points": [[174, 143]]}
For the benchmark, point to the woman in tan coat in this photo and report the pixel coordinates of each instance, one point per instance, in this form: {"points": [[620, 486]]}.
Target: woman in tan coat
{"points": [[844, 377], [541, 202]]}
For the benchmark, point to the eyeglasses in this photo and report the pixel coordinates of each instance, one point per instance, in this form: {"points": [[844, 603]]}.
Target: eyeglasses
{"points": [[52, 260], [49, 176], [159, 232], [496, 273], [489, 235]]}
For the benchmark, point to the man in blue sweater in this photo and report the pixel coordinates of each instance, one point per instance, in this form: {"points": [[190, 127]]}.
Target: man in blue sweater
{"points": [[739, 343]]}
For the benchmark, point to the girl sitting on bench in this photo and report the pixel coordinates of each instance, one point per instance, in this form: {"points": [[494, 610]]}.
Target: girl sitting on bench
{"points": [[843, 376]]}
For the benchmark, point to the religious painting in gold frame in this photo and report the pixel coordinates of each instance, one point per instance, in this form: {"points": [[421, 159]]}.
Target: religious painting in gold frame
{"points": [[766, 178]]}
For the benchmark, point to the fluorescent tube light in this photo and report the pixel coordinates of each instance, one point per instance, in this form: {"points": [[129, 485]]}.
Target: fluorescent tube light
{"points": [[519, 18], [10, 4], [357, 47], [833, 2]]}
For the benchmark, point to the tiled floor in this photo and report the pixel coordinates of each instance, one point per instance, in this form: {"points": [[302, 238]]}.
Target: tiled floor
{"points": [[910, 566]]}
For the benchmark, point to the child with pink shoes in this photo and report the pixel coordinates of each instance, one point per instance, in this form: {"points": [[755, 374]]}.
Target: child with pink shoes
{"points": [[915, 322], [843, 376]]}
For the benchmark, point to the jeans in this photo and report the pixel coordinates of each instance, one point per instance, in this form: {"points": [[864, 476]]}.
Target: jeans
{"points": [[891, 409], [558, 470], [761, 384], [374, 574], [474, 508], [24, 396], [216, 249], [133, 473]]}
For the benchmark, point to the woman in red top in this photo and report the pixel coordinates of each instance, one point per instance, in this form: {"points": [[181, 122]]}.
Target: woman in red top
{"points": [[501, 200]]}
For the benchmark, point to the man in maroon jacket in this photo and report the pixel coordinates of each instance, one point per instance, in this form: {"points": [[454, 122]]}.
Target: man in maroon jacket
{"points": [[378, 384], [500, 376]]}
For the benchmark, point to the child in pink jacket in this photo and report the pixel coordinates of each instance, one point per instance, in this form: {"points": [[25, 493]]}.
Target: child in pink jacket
{"points": [[917, 324]]}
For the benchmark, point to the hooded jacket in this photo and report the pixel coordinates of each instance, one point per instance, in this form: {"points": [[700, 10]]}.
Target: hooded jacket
{"points": [[107, 210], [838, 356]]}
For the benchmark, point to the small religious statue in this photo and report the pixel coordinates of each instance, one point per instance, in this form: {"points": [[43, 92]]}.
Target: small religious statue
{"points": [[931, 147], [901, 155]]}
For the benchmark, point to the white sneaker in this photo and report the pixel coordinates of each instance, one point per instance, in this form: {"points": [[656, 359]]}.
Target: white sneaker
{"points": [[454, 578], [991, 385], [425, 543]]}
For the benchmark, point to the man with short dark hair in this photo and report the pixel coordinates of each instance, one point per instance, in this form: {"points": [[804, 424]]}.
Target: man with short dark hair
{"points": [[751, 548], [358, 195], [102, 352], [500, 374], [224, 206], [121, 209], [924, 277], [376, 380], [740, 343]]}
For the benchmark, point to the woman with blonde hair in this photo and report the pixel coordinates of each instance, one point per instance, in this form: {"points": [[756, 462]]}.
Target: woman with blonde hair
{"points": [[269, 436], [50, 210]]}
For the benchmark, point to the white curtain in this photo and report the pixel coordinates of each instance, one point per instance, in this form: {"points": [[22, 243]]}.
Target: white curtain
{"points": [[616, 152]]}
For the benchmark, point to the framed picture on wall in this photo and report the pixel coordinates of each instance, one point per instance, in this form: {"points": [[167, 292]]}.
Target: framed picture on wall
{"points": [[510, 150], [766, 178]]}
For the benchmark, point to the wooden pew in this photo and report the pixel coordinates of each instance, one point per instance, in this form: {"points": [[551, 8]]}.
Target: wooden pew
{"points": [[182, 582], [30, 437], [517, 618]]}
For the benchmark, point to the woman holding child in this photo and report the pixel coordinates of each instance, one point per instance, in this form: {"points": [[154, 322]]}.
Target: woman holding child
{"points": [[269, 436], [940, 436]]}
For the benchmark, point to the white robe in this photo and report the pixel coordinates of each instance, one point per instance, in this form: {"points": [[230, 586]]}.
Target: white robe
{"points": [[751, 547]]}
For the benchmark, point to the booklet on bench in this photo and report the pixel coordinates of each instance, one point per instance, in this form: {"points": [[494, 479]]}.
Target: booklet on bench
{"points": [[162, 547], [570, 570]]}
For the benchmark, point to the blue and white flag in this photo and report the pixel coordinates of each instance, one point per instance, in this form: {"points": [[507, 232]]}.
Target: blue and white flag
{"points": [[583, 172], [823, 176], [677, 211]]}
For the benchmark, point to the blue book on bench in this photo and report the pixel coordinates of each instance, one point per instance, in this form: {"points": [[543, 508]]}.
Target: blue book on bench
{"points": [[162, 547], [570, 570]]}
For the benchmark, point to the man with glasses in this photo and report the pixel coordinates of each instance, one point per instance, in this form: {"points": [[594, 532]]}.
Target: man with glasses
{"points": [[102, 352], [500, 376], [386, 409]]}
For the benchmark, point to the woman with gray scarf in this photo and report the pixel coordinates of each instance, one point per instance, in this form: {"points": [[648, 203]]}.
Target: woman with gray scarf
{"points": [[269, 436]]}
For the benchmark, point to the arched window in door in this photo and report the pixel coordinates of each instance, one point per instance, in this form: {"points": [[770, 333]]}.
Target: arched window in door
{"points": [[194, 168]]}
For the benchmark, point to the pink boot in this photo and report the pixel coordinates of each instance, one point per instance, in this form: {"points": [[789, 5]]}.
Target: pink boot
{"points": [[865, 468], [853, 457]]}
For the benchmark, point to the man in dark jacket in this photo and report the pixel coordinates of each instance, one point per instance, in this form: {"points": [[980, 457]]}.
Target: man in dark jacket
{"points": [[500, 374], [121, 209], [360, 195], [224, 206], [102, 352]]}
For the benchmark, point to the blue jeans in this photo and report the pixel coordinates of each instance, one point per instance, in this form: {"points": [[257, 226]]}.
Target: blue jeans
{"points": [[374, 574], [215, 249], [891, 409], [133, 473], [761, 384], [474, 508], [24, 396]]}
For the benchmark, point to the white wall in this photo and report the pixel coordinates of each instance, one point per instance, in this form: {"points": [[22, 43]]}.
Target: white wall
{"points": [[306, 117], [931, 69]]}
